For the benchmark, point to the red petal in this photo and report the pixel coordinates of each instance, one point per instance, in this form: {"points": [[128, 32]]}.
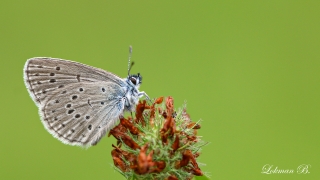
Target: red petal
{"points": [[193, 125], [127, 124], [139, 111], [176, 144], [125, 138], [172, 177], [158, 100], [118, 162]]}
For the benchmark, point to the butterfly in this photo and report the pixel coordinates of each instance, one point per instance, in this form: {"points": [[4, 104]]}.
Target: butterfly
{"points": [[78, 103]]}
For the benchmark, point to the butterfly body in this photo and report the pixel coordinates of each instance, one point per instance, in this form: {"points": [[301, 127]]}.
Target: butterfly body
{"points": [[78, 103]]}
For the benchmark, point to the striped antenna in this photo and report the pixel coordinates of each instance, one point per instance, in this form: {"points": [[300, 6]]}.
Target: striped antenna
{"points": [[130, 64]]}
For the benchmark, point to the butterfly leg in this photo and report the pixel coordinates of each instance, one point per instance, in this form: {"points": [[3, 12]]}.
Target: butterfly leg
{"points": [[142, 93]]}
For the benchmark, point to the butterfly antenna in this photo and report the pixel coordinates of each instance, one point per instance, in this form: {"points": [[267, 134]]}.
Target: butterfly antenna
{"points": [[132, 63]]}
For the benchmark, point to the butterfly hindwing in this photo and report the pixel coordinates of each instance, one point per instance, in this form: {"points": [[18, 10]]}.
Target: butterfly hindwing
{"points": [[81, 113]]}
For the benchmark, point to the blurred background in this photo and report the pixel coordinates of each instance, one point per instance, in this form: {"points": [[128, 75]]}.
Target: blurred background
{"points": [[249, 69]]}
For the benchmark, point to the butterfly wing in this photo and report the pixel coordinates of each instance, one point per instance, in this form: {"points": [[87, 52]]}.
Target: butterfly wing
{"points": [[43, 75], [78, 104], [81, 113]]}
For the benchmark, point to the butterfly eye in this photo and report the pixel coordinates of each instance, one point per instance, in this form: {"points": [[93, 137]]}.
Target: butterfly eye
{"points": [[133, 80]]}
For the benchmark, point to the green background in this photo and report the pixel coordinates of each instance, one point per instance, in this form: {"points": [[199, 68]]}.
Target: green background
{"points": [[249, 69]]}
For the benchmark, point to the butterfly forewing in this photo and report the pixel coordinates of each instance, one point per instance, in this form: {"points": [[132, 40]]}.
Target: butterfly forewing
{"points": [[44, 75]]}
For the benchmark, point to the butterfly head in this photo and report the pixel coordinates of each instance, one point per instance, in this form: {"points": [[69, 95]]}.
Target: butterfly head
{"points": [[135, 79]]}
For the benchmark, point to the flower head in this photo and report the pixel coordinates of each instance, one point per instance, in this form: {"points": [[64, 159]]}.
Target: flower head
{"points": [[159, 143]]}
